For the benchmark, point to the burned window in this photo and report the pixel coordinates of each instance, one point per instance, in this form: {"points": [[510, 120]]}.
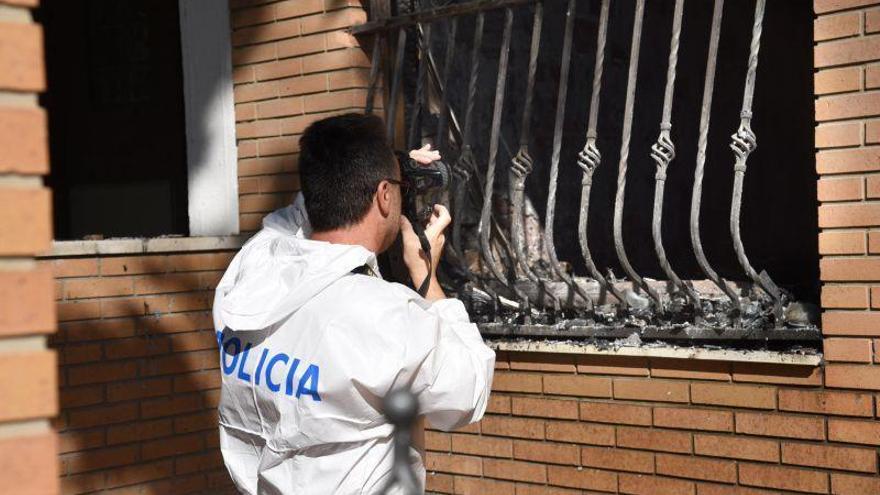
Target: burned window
{"points": [[617, 167], [116, 116]]}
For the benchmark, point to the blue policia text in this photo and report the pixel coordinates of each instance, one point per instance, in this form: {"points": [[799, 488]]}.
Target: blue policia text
{"points": [[273, 372]]}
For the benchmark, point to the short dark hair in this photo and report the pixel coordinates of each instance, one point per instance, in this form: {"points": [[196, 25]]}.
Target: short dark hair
{"points": [[342, 160]]}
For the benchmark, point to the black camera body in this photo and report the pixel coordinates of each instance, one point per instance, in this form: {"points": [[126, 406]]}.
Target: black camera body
{"points": [[424, 185]]}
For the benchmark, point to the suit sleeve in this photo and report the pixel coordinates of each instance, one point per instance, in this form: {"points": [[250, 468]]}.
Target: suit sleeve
{"points": [[453, 375]]}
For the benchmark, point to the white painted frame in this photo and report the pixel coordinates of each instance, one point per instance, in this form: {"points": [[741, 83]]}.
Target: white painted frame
{"points": [[211, 151]]}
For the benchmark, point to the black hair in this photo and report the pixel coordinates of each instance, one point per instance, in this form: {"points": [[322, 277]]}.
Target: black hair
{"points": [[342, 160]]}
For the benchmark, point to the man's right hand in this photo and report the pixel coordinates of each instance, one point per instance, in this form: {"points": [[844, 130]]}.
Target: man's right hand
{"points": [[416, 260]]}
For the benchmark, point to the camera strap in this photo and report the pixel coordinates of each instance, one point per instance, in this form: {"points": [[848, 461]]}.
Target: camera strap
{"points": [[426, 247]]}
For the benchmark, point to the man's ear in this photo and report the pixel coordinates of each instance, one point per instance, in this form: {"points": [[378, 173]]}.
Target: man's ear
{"points": [[384, 198]]}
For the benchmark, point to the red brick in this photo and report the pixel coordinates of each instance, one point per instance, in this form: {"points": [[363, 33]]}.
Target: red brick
{"points": [[455, 464], [200, 380], [26, 302], [780, 425], [139, 431], [101, 372], [651, 390], [338, 19], [606, 412], [512, 427], [438, 441], [103, 415], [78, 310], [845, 189], [201, 421], [170, 406], [544, 408], [338, 59], [165, 447], [689, 369], [552, 453], [139, 389], [439, 483], [529, 489], [136, 347], [872, 21], [482, 446], [865, 159], [848, 431], [29, 462], [197, 462], [693, 419], [81, 396], [139, 473], [21, 57], [826, 402], [850, 484], [832, 457], [588, 479], [24, 147], [77, 354], [639, 484], [617, 459], [825, 6], [783, 478], [829, 27], [684, 466], [844, 296], [100, 459], [733, 395], [848, 350], [478, 486], [259, 34], [854, 323], [350, 78], [654, 439], [268, 165], [612, 365], [839, 80], [852, 376], [849, 51], [736, 447], [517, 382], [785, 374], [835, 242], [257, 15], [532, 361], [25, 214], [297, 8], [73, 441], [839, 135], [590, 434], [30, 394], [872, 132], [295, 47]]}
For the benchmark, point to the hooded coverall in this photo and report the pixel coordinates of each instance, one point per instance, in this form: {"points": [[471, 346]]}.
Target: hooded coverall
{"points": [[308, 350]]}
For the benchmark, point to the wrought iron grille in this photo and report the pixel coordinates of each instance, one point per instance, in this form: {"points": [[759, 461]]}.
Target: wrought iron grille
{"points": [[503, 261]]}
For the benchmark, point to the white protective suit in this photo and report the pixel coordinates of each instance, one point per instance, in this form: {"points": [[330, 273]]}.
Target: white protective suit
{"points": [[308, 350]]}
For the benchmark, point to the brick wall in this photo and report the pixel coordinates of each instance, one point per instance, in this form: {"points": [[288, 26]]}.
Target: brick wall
{"points": [[28, 394], [294, 63], [138, 372]]}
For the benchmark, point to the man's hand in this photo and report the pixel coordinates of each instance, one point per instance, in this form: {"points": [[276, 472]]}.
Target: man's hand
{"points": [[425, 155], [416, 260]]}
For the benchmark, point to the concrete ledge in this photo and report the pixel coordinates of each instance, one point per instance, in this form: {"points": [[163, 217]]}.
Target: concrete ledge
{"points": [[659, 351], [62, 249]]}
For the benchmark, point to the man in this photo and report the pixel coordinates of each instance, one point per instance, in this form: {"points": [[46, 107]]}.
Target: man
{"points": [[311, 338]]}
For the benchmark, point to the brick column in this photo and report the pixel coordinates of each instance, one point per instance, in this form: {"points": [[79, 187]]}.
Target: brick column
{"points": [[847, 59], [28, 395]]}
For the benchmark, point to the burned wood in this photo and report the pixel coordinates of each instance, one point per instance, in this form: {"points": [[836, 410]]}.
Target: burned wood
{"points": [[477, 7], [391, 111], [421, 103], [374, 73]]}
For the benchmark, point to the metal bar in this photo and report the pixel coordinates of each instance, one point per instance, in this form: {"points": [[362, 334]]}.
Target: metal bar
{"points": [[663, 152], [686, 332], [421, 104], [484, 227], [391, 111], [743, 144], [443, 119], [466, 163], [374, 73], [522, 164], [620, 197], [475, 7], [589, 158], [696, 197], [565, 67]]}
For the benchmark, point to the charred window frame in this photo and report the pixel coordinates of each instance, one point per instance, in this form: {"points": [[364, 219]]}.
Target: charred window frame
{"points": [[756, 277]]}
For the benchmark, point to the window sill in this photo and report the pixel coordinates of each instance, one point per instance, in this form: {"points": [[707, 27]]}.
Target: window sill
{"points": [[668, 351], [64, 249]]}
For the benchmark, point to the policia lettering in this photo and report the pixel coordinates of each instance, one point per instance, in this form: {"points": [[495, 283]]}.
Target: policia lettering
{"points": [[234, 360]]}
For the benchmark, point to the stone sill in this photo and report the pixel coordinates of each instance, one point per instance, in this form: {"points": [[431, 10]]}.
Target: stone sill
{"points": [[64, 249], [658, 351]]}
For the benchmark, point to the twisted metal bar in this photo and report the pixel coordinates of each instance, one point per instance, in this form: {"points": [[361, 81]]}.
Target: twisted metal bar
{"points": [[466, 163], [485, 226], [696, 197], [391, 111], [663, 152], [374, 73], [522, 164], [620, 197], [565, 67], [743, 144], [443, 119], [421, 92], [589, 158]]}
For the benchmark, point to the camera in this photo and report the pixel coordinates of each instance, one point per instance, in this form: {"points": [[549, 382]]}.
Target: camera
{"points": [[424, 185]]}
